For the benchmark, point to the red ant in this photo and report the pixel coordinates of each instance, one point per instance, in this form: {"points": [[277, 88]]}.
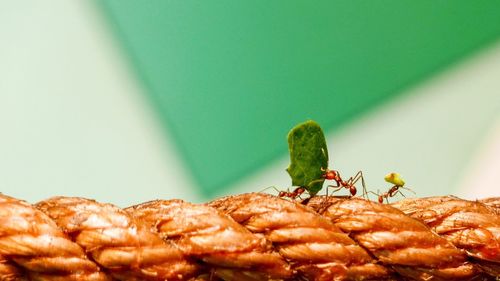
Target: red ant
{"points": [[397, 182], [390, 193], [296, 193], [349, 184], [292, 195], [329, 175]]}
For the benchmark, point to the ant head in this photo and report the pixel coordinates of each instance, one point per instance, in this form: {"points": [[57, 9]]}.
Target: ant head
{"points": [[282, 194], [300, 190], [330, 175], [380, 199]]}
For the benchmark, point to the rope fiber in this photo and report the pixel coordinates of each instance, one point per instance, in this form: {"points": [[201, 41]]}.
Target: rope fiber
{"points": [[250, 237]]}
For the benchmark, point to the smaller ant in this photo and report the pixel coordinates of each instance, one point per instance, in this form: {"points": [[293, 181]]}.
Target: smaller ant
{"points": [[349, 184], [397, 182], [296, 193], [292, 195]]}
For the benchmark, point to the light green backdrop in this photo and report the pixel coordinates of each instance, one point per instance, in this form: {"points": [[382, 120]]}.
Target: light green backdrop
{"points": [[229, 78], [76, 121]]}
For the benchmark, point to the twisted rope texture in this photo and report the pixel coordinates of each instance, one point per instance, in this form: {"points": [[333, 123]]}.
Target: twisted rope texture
{"points": [[250, 237]]}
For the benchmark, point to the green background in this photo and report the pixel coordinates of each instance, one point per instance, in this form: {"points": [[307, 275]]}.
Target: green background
{"points": [[230, 78]]}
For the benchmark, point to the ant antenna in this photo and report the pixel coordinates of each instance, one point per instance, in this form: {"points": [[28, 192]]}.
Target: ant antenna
{"points": [[271, 187]]}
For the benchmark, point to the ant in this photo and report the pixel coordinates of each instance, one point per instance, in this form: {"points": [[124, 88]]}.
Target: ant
{"points": [[328, 175], [397, 182], [292, 195], [296, 193], [349, 184]]}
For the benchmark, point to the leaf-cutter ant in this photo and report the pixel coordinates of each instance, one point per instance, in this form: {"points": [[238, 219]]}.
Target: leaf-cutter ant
{"points": [[292, 195], [398, 183]]}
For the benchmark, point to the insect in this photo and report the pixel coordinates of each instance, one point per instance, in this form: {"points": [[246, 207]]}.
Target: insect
{"points": [[292, 195], [398, 183], [296, 193], [348, 184], [309, 162]]}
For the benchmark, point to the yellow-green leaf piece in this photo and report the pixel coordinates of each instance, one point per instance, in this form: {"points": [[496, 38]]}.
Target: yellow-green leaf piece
{"points": [[308, 156], [395, 179]]}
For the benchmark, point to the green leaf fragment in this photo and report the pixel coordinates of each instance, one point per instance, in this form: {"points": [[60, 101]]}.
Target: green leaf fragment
{"points": [[308, 156], [395, 179]]}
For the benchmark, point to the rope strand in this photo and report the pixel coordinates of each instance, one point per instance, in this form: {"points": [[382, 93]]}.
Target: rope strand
{"points": [[250, 237]]}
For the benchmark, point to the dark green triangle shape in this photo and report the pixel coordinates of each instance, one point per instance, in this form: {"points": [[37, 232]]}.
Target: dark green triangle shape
{"points": [[230, 78]]}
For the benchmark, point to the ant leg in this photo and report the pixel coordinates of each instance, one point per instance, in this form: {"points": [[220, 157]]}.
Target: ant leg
{"points": [[357, 177], [324, 200], [353, 180], [380, 196], [398, 191], [376, 194], [300, 195], [327, 189], [335, 189], [402, 194], [337, 186], [409, 189], [364, 185], [212, 275]]}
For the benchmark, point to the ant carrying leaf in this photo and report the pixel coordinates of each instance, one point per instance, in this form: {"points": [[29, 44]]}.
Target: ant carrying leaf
{"points": [[398, 183], [296, 193], [308, 156], [309, 163]]}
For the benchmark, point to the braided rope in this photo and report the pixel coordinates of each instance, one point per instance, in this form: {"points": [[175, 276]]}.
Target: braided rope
{"points": [[250, 237]]}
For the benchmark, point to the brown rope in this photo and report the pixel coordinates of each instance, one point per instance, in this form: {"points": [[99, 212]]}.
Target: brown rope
{"points": [[118, 242], [469, 225], [213, 238], [250, 237], [315, 247], [403, 243], [9, 272]]}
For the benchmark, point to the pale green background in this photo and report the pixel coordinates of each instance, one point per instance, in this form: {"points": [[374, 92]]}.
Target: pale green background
{"points": [[230, 78], [74, 119]]}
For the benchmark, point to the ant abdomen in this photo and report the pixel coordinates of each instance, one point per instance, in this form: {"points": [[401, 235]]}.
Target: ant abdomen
{"points": [[353, 190]]}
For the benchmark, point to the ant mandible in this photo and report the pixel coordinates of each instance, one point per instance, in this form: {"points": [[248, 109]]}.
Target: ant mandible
{"points": [[397, 182], [349, 184]]}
